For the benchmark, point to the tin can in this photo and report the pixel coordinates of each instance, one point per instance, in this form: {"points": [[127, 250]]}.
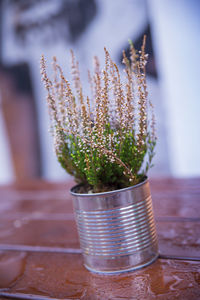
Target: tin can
{"points": [[116, 229]]}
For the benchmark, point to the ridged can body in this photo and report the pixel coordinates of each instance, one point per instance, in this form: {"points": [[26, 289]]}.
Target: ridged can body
{"points": [[116, 229]]}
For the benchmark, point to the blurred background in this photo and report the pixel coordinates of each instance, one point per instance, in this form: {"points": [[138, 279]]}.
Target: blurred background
{"points": [[30, 28]]}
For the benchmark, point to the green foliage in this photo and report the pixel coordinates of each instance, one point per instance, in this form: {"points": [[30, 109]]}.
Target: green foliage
{"points": [[100, 173]]}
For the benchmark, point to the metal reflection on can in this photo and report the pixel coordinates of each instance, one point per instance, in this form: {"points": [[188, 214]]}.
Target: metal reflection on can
{"points": [[116, 229]]}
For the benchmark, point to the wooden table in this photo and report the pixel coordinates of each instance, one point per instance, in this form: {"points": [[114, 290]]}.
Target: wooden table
{"points": [[40, 255]]}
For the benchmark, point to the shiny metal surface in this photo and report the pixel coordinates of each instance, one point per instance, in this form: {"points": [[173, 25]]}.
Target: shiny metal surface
{"points": [[116, 229]]}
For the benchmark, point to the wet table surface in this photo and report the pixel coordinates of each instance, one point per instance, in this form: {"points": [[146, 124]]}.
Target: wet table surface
{"points": [[40, 257]]}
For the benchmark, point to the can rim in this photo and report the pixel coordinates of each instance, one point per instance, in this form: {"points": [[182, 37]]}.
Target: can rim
{"points": [[72, 190]]}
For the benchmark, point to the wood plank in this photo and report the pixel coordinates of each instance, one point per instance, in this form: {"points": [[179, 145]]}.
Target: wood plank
{"points": [[62, 276], [44, 261], [176, 238]]}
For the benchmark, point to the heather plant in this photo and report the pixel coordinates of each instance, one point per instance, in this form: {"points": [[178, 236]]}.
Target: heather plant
{"points": [[105, 140]]}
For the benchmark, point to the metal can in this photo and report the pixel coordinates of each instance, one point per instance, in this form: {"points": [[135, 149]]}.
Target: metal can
{"points": [[116, 229]]}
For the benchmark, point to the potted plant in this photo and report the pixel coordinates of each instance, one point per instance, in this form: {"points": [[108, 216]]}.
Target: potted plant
{"points": [[106, 141]]}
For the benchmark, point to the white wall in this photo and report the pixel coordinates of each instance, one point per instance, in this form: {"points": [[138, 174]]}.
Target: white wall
{"points": [[6, 169], [176, 27]]}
